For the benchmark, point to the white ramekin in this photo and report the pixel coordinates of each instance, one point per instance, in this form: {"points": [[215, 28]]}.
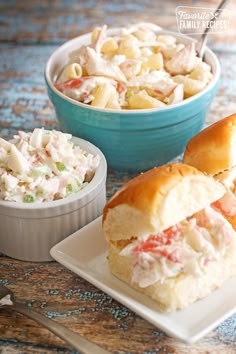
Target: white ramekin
{"points": [[28, 231]]}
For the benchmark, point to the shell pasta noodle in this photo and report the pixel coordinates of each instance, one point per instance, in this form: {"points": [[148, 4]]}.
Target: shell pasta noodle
{"points": [[143, 100], [154, 61], [71, 72], [137, 68], [74, 71], [101, 96], [109, 46]]}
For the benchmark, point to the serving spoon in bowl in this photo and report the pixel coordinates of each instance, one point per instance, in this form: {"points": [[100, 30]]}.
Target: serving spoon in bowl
{"points": [[81, 344], [201, 43]]}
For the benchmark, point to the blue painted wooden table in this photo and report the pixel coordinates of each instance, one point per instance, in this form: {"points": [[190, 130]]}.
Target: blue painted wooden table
{"points": [[29, 32]]}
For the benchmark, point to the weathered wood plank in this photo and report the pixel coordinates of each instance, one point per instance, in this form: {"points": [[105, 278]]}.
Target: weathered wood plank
{"points": [[44, 21], [81, 307]]}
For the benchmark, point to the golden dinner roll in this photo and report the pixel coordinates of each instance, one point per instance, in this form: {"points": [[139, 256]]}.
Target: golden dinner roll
{"points": [[214, 148], [154, 200], [213, 151]]}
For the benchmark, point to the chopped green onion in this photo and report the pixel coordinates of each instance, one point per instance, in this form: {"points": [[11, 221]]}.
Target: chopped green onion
{"points": [[28, 198], [69, 187], [31, 148], [40, 193], [130, 93], [60, 166]]}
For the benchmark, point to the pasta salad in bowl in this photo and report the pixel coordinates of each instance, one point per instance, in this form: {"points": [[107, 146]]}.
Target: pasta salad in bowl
{"points": [[138, 68], [139, 93]]}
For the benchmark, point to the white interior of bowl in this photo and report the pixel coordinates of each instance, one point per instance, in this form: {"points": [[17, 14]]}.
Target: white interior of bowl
{"points": [[59, 58]]}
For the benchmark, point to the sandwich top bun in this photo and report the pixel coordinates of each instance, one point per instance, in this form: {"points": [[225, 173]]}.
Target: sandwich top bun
{"points": [[158, 199], [213, 149]]}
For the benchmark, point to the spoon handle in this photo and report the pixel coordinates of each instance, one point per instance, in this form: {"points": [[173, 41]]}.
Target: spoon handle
{"points": [[202, 41], [78, 342]]}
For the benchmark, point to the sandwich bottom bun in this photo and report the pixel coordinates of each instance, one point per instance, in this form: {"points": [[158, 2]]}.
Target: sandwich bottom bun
{"points": [[167, 239], [178, 292]]}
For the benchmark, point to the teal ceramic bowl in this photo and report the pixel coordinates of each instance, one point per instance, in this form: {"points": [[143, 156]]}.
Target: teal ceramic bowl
{"points": [[131, 140]]}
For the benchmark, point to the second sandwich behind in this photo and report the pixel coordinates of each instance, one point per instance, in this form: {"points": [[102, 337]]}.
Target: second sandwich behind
{"points": [[213, 151]]}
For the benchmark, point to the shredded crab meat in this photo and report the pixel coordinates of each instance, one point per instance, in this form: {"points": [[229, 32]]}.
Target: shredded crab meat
{"points": [[187, 247], [183, 61], [43, 166], [97, 45]]}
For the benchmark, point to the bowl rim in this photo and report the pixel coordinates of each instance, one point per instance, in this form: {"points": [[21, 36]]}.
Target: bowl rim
{"points": [[97, 180], [113, 31]]}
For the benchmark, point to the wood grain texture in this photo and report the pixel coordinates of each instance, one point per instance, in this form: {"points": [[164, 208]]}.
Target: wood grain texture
{"points": [[61, 295], [45, 21], [29, 32]]}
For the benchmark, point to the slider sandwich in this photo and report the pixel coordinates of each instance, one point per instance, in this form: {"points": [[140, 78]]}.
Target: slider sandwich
{"points": [[213, 151], [166, 239]]}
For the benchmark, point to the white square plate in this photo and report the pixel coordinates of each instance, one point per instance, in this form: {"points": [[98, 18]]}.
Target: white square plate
{"points": [[84, 253]]}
